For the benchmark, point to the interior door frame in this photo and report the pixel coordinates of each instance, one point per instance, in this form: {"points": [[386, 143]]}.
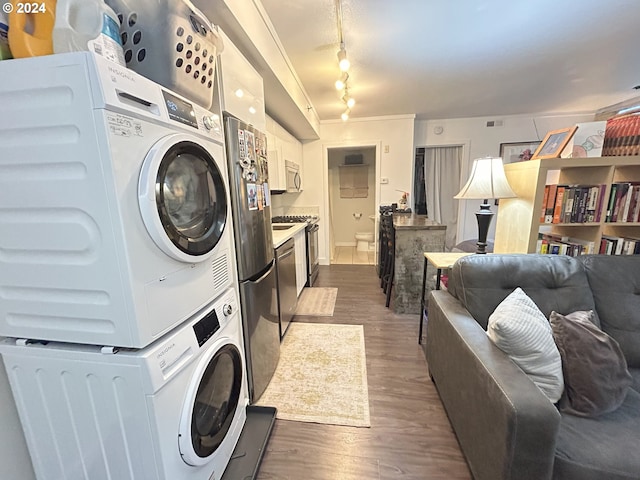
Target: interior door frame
{"points": [[377, 144]]}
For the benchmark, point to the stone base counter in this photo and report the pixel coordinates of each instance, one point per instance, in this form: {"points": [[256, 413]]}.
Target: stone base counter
{"points": [[415, 234]]}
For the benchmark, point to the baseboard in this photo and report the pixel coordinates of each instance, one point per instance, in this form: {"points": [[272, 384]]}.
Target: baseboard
{"points": [[345, 244]]}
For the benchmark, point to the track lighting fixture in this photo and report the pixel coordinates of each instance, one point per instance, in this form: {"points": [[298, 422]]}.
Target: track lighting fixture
{"points": [[344, 65]]}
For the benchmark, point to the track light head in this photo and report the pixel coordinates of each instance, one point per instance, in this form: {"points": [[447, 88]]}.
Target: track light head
{"points": [[343, 61], [341, 83]]}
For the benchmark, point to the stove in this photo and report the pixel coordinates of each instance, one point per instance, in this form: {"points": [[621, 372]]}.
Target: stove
{"points": [[313, 263], [311, 219]]}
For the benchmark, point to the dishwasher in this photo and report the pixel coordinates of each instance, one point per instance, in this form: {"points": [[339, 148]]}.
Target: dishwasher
{"points": [[286, 279]]}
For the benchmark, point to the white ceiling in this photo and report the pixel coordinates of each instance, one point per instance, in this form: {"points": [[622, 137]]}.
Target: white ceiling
{"points": [[464, 58]]}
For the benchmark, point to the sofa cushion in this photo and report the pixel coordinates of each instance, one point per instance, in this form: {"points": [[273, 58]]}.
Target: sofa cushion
{"points": [[519, 329], [615, 283], [595, 372], [602, 447], [553, 282], [635, 378]]}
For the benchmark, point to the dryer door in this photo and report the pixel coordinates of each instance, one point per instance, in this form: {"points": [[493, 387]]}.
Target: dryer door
{"points": [[211, 403], [183, 197]]}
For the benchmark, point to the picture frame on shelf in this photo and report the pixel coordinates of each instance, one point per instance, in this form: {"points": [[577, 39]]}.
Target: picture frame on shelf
{"points": [[554, 142], [518, 151]]}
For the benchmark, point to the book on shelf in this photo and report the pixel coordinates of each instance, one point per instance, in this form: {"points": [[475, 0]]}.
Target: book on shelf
{"points": [[624, 210], [623, 202], [572, 203], [622, 136], [634, 209], [569, 198], [600, 201], [612, 202], [558, 211], [621, 196], [611, 245], [551, 203], [549, 243], [545, 198]]}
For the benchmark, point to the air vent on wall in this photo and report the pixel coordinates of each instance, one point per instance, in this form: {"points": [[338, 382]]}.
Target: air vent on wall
{"points": [[355, 159], [220, 272]]}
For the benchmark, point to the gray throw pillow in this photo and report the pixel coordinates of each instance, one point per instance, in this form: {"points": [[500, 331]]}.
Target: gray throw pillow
{"points": [[596, 378]]}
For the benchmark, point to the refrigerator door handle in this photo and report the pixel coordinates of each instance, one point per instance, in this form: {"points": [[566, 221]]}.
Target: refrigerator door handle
{"points": [[263, 274]]}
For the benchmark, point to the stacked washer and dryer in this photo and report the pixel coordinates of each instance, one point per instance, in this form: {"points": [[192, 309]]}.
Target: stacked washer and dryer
{"points": [[118, 283]]}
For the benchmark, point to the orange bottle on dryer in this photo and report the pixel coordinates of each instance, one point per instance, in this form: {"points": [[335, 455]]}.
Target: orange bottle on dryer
{"points": [[31, 33]]}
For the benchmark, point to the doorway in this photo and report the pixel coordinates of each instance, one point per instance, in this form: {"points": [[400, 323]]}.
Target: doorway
{"points": [[352, 205]]}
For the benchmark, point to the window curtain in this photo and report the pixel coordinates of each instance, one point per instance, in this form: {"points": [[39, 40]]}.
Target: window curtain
{"points": [[442, 166]]}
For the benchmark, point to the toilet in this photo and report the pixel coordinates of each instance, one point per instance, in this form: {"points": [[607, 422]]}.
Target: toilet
{"points": [[364, 241]]}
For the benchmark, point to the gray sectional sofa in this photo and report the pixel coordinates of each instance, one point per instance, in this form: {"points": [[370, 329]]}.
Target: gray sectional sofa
{"points": [[506, 427]]}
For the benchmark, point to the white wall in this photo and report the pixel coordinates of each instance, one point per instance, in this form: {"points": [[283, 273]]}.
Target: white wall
{"points": [[393, 138], [480, 141], [343, 222]]}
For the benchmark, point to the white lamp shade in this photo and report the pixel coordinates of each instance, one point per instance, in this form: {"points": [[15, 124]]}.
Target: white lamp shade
{"points": [[487, 180]]}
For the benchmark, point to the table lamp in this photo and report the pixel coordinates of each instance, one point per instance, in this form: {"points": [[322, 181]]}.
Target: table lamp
{"points": [[487, 181]]}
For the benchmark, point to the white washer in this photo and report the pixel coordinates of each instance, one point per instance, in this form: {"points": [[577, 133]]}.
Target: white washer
{"points": [[174, 410], [114, 205]]}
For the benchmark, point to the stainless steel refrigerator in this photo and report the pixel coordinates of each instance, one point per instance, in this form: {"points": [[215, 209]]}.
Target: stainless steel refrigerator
{"points": [[251, 211]]}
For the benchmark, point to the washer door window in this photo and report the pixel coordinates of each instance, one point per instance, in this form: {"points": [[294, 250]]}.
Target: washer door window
{"points": [[183, 199], [211, 410]]}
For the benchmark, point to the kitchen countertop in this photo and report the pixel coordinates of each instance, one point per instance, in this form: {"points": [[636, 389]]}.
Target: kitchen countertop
{"points": [[281, 236], [405, 221]]}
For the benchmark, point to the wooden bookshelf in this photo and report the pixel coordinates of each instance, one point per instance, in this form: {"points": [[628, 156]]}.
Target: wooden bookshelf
{"points": [[518, 219]]}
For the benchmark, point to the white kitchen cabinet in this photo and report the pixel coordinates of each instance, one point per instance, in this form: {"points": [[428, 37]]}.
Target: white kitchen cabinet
{"points": [[281, 146], [301, 259]]}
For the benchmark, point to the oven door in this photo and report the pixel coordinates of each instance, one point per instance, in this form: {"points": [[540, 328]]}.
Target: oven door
{"points": [[313, 264]]}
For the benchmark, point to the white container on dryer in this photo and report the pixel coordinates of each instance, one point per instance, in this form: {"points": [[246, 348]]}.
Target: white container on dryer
{"points": [[114, 204], [5, 52], [174, 410], [87, 25]]}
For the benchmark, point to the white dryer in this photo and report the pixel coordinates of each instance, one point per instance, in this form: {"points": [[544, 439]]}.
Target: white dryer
{"points": [[114, 206], [174, 410]]}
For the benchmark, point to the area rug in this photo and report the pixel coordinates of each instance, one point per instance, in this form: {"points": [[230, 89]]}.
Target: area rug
{"points": [[321, 376], [317, 301]]}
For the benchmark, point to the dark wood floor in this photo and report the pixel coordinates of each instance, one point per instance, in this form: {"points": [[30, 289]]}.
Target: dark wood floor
{"points": [[410, 436]]}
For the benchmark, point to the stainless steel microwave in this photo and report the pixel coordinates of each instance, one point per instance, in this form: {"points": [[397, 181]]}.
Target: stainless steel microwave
{"points": [[294, 181]]}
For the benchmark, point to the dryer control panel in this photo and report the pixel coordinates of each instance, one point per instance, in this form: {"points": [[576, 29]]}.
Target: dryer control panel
{"points": [[216, 318]]}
